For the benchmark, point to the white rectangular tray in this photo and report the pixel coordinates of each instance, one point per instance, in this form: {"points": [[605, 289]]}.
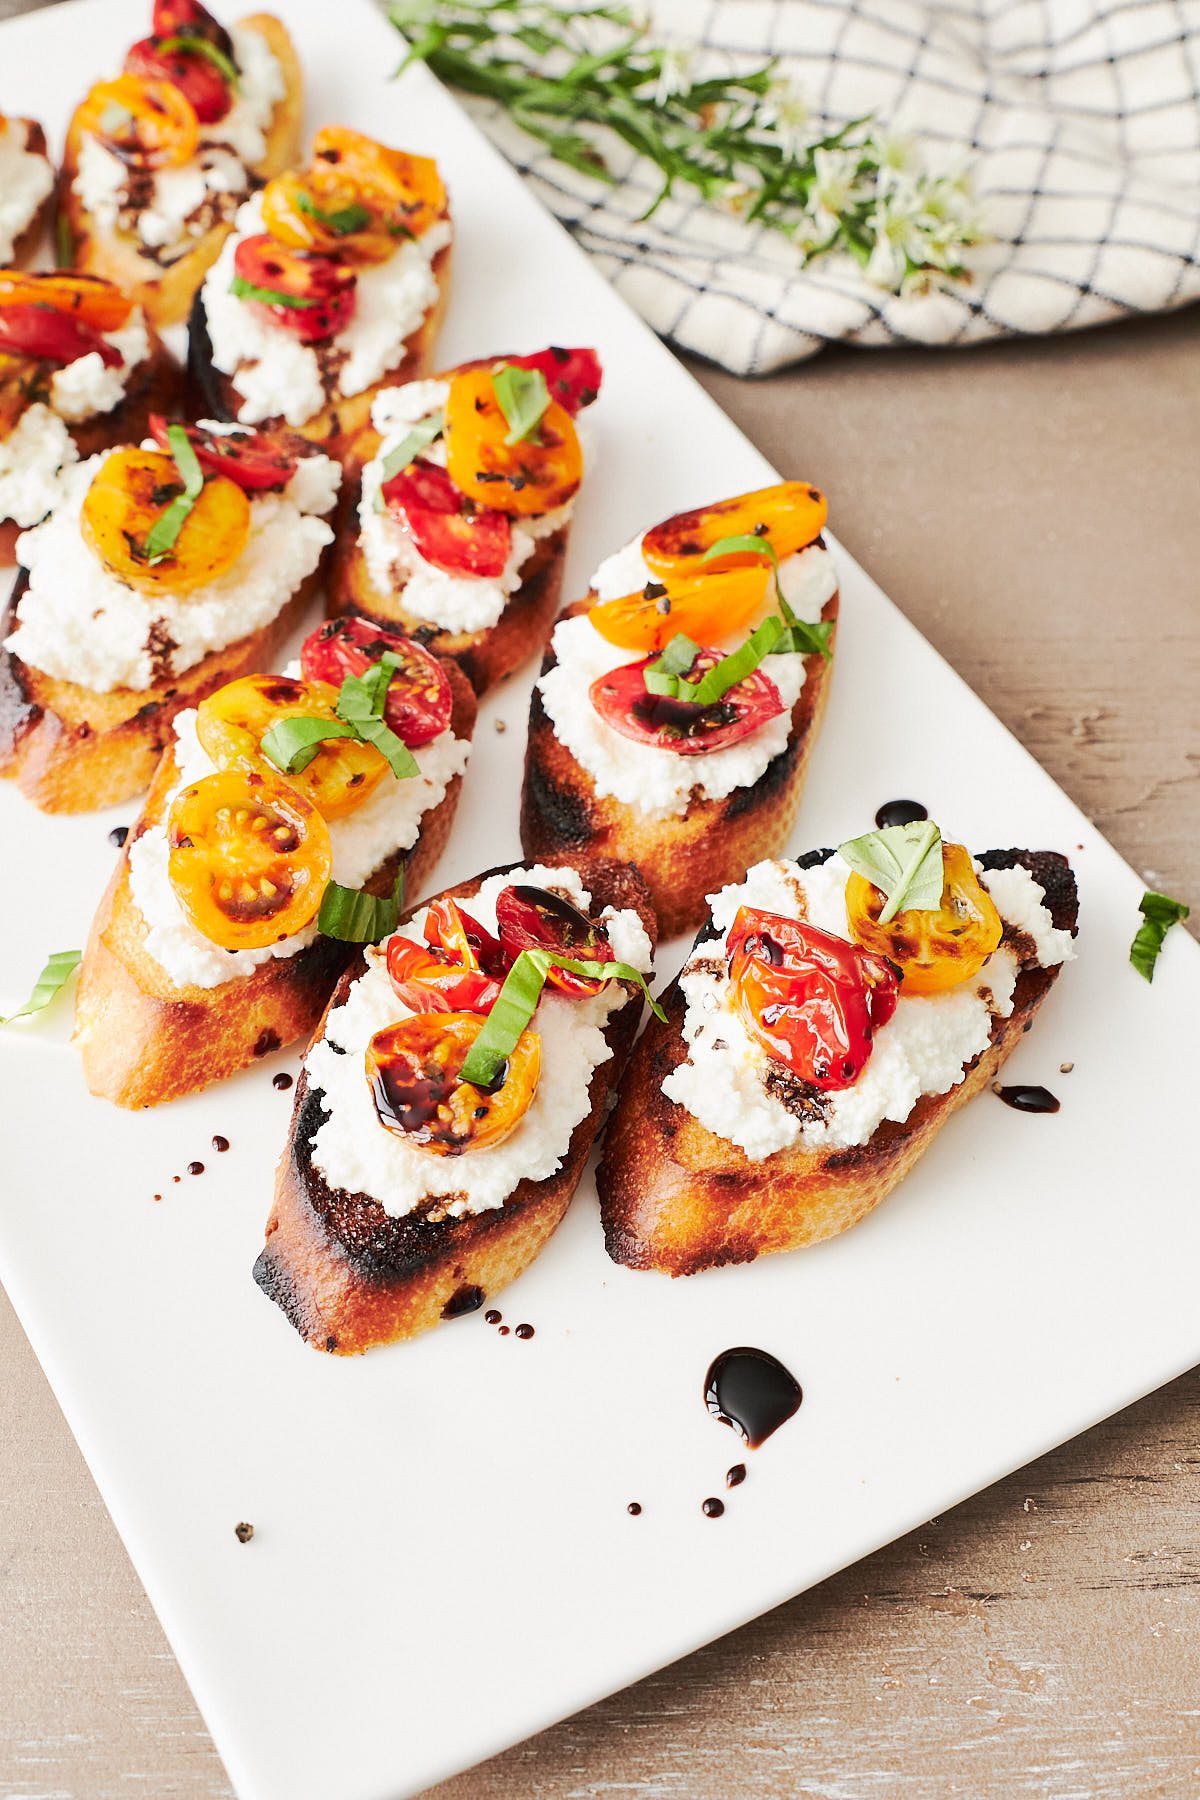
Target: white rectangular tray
{"points": [[443, 1562]]}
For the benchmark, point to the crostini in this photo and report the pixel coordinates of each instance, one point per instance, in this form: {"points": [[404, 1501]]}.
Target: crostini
{"points": [[80, 369], [160, 575], [26, 190], [333, 285], [814, 1045], [436, 1142], [270, 847], [159, 160], [689, 761], [467, 488]]}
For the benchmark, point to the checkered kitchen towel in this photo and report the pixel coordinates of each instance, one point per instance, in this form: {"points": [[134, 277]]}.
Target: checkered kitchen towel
{"points": [[1080, 120]]}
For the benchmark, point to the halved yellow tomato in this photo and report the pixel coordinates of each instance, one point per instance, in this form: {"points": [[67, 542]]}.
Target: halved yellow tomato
{"points": [[933, 950], [789, 515], [131, 491], [149, 124], [405, 193], [88, 298], [706, 609], [248, 858], [232, 723], [526, 477], [413, 1070]]}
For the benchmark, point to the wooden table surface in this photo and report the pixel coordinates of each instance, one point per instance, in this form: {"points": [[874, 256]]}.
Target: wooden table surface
{"points": [[1032, 508]]}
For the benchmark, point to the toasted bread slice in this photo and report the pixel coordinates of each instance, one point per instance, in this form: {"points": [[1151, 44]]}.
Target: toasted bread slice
{"points": [[29, 241], [144, 1039], [348, 1276], [165, 290], [677, 1198], [686, 856]]}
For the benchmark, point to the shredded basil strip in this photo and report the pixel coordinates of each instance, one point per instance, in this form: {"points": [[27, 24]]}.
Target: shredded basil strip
{"points": [[807, 639], [162, 536], [292, 743], [360, 703], [344, 221], [1159, 912], [904, 862], [407, 450], [189, 42], [64, 242], [660, 677], [355, 917], [517, 1003], [523, 397], [246, 290], [52, 979]]}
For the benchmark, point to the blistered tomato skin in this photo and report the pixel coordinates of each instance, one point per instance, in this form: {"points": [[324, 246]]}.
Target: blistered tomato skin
{"points": [[187, 18], [87, 299], [813, 1001], [198, 79], [232, 723], [37, 331], [129, 494], [681, 726], [429, 980], [521, 478], [419, 700], [704, 607], [257, 460], [450, 927], [413, 1073], [934, 950], [572, 376], [324, 291], [404, 192], [532, 918], [448, 530], [147, 123], [789, 515]]}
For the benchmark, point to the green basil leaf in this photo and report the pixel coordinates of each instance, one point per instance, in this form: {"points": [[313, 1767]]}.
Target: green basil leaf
{"points": [[1159, 912], [344, 221], [726, 674], [64, 242], [51, 981], [904, 862], [190, 43], [407, 450], [292, 743], [246, 290], [356, 917], [517, 1002], [523, 397], [754, 545], [807, 640], [361, 701], [163, 534]]}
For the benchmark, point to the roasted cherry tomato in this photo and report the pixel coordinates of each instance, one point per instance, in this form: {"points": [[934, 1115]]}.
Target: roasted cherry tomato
{"points": [[429, 980], [248, 858], [449, 927], [196, 77], [316, 295], [419, 700], [621, 700], [789, 515], [131, 491], [259, 461], [450, 531], [404, 193], [532, 918], [933, 950], [39, 331], [572, 376], [86, 299], [187, 18], [809, 998], [525, 477], [232, 723], [704, 608], [413, 1069], [148, 124]]}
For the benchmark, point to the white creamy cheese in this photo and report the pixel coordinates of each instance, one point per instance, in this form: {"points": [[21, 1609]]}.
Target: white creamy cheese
{"points": [[661, 783], [26, 177], [79, 622], [34, 459], [274, 373], [388, 820], [354, 1152], [85, 387], [923, 1049]]}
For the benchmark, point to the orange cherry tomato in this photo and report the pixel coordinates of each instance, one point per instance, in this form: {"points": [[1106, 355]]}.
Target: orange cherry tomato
{"points": [[248, 858], [405, 192], [413, 1070], [149, 124], [131, 491], [526, 477], [706, 608], [789, 515], [450, 927], [88, 299], [430, 980], [232, 723], [932, 950]]}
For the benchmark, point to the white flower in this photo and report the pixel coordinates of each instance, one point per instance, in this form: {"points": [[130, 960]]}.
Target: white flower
{"points": [[675, 72], [784, 110], [833, 189]]}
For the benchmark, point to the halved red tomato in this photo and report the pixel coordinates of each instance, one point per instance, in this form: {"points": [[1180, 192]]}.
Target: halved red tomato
{"points": [[413, 1070], [572, 376], [449, 927], [311, 296], [256, 460], [189, 70], [51, 336], [682, 726], [450, 531], [532, 918], [89, 299], [419, 700], [811, 999], [187, 18], [429, 980]]}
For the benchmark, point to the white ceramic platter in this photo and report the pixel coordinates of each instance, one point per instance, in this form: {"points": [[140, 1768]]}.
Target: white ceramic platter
{"points": [[443, 1562]]}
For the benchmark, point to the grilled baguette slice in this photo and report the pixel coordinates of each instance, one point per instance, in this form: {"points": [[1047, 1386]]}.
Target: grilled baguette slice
{"points": [[677, 1198], [145, 1040], [29, 241], [348, 1276], [165, 290], [684, 857]]}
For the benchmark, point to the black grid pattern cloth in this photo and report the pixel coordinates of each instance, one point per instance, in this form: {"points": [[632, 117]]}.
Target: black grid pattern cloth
{"points": [[1078, 119]]}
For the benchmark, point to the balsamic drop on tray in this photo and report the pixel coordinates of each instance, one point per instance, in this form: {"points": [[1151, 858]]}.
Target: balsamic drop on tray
{"points": [[751, 1391]]}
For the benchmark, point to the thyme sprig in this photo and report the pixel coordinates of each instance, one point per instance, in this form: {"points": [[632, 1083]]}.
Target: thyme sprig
{"points": [[742, 140]]}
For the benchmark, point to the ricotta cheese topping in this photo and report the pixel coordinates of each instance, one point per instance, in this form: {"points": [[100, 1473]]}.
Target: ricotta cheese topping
{"points": [[660, 783], [34, 458], [77, 621], [26, 177], [85, 387], [734, 1088], [167, 209], [388, 820], [451, 602], [274, 373], [354, 1152]]}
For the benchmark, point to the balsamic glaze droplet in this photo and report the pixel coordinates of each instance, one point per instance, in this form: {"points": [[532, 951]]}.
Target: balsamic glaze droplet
{"points": [[1028, 1099], [282, 1081], [492, 1317], [220, 1143], [713, 1508], [899, 812], [117, 835], [502, 1331], [734, 1477], [195, 1168], [752, 1391], [524, 1331], [633, 1509], [466, 1299]]}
